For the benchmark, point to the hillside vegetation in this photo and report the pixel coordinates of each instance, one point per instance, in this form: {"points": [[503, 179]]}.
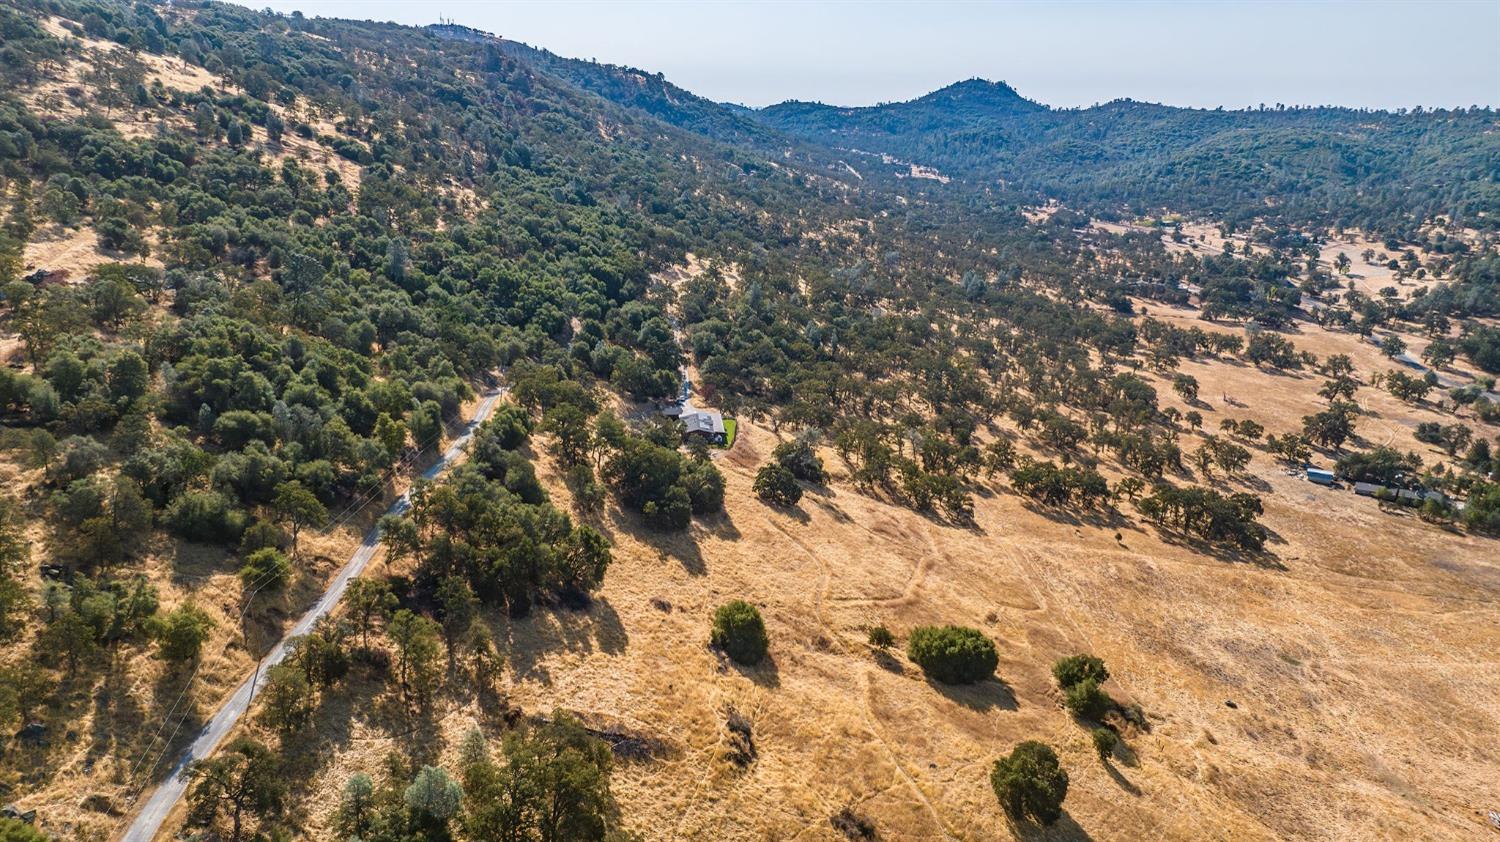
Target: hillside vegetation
{"points": [[1321, 166], [1008, 393]]}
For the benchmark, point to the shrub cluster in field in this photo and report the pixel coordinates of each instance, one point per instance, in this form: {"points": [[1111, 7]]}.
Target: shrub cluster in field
{"points": [[740, 633], [952, 654]]}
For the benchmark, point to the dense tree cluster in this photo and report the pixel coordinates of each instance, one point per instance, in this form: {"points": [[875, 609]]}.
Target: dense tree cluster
{"points": [[1206, 514], [490, 523], [665, 486]]}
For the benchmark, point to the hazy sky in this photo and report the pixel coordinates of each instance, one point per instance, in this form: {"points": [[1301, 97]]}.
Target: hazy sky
{"points": [[1377, 54]]}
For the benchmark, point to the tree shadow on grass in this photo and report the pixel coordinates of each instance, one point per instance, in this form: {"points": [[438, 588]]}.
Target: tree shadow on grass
{"points": [[528, 640], [933, 514], [765, 674], [178, 722], [719, 524], [818, 490], [1120, 780], [833, 511], [888, 662], [679, 546], [1101, 518], [414, 727], [1262, 558], [1127, 756], [60, 709], [1065, 829], [329, 731], [580, 628], [795, 512], [989, 694], [1252, 481]]}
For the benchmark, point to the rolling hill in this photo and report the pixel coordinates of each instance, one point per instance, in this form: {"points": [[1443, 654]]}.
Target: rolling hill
{"points": [[1011, 532]]}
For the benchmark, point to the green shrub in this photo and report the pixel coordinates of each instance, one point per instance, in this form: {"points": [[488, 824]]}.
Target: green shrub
{"points": [[15, 830], [1029, 783], [740, 632], [953, 654], [1105, 740], [180, 633], [266, 568], [775, 484], [205, 516], [1075, 668], [649, 478], [1086, 701], [881, 637]]}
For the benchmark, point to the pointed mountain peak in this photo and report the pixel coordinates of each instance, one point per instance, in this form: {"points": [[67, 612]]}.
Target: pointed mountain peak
{"points": [[981, 93]]}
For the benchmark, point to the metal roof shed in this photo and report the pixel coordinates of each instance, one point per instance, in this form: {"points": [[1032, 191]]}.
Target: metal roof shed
{"points": [[1320, 476]]}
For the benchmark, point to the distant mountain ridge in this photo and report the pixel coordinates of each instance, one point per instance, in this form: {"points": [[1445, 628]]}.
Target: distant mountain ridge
{"points": [[639, 89], [971, 95], [1322, 166]]}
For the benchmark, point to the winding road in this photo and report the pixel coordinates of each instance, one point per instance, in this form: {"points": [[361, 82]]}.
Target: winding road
{"points": [[151, 817]]}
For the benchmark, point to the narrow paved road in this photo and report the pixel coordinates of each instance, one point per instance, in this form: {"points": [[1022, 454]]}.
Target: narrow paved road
{"points": [[149, 821]]}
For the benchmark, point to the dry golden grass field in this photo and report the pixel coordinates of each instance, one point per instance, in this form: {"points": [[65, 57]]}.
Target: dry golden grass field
{"points": [[1361, 673], [1341, 687]]}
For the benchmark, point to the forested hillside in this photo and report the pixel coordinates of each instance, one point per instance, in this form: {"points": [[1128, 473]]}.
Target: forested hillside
{"points": [[256, 270], [1375, 170]]}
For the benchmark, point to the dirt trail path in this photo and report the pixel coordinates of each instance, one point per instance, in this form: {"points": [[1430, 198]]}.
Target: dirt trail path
{"points": [[820, 599]]}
